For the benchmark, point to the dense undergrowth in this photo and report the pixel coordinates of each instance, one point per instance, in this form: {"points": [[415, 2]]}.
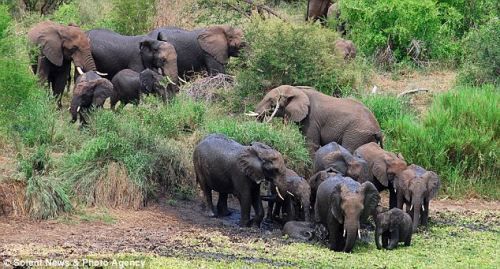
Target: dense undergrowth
{"points": [[145, 151]]}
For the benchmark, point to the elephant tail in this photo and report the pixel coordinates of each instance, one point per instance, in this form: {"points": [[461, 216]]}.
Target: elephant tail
{"points": [[379, 138]]}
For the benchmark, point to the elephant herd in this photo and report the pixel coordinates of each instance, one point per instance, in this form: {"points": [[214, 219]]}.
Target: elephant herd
{"points": [[122, 68], [350, 169]]}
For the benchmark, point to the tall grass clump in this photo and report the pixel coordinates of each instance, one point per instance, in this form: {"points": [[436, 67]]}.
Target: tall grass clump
{"points": [[296, 54], [132, 17], [458, 138]]}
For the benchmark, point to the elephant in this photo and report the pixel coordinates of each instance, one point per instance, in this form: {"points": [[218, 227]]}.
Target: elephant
{"points": [[114, 52], [129, 85], [391, 227], [335, 156], [225, 166], [318, 178], [206, 49], [60, 45], [90, 91], [292, 195], [383, 166], [341, 205], [317, 9], [415, 188], [345, 49], [322, 118], [300, 230]]}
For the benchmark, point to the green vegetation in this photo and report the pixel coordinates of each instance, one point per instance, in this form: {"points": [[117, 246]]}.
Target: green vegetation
{"points": [[132, 17]]}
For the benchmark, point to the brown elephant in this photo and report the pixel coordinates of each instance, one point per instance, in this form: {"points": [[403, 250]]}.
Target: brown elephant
{"points": [[337, 157], [384, 166], [322, 118], [415, 188], [341, 205], [293, 195], [317, 9], [60, 45], [345, 49], [318, 178]]}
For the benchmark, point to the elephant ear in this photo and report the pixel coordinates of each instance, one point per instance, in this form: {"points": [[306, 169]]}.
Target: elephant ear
{"points": [[336, 200], [46, 35], [102, 91], [317, 178], [214, 42], [147, 80], [298, 103], [251, 165], [379, 170], [147, 52], [433, 183], [331, 160], [372, 198]]}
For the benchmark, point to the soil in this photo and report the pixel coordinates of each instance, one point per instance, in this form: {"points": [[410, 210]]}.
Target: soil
{"points": [[171, 230]]}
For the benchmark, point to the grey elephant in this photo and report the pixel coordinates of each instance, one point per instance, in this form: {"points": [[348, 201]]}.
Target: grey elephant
{"points": [[322, 118], [292, 195], [391, 227], [206, 49], [339, 158], [91, 91], [225, 166], [345, 49], [318, 178], [114, 52], [129, 85], [383, 166], [317, 9], [299, 230], [341, 205], [415, 188], [60, 45]]}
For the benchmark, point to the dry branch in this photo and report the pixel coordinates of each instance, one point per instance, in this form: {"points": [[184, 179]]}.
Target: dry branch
{"points": [[411, 92]]}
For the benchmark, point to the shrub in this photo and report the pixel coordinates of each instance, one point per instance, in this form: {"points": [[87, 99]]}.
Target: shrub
{"points": [[46, 198], [482, 55], [132, 17], [297, 54]]}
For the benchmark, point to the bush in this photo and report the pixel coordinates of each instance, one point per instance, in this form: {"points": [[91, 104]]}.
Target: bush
{"points": [[482, 55], [457, 138], [297, 54], [132, 17]]}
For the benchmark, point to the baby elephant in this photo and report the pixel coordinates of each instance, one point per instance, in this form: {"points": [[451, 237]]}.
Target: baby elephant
{"points": [[300, 230], [392, 226], [292, 195], [129, 85], [339, 158]]}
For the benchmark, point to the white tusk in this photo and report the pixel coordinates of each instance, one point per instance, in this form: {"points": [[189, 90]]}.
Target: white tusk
{"points": [[78, 109], [359, 234], [423, 209], [395, 191], [279, 194], [183, 81], [169, 80], [101, 74], [79, 69], [252, 114], [275, 110], [290, 193], [411, 207], [69, 108], [344, 233]]}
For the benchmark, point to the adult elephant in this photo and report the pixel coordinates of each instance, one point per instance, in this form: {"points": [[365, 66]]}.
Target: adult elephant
{"points": [[60, 45], [322, 118], [317, 9], [333, 155], [415, 188], [114, 52], [225, 166], [341, 204], [206, 49]]}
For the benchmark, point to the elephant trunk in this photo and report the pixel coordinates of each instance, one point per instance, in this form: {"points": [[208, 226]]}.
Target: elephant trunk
{"points": [[89, 64], [378, 239], [416, 204], [74, 108], [351, 235]]}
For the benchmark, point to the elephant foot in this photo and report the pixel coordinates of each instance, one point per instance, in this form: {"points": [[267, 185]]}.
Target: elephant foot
{"points": [[224, 213], [210, 214]]}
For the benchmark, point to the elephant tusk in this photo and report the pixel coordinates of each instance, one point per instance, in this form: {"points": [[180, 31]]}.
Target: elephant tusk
{"points": [[69, 108], [411, 207], [279, 194], [169, 80], [423, 209], [78, 109], [79, 69], [101, 74], [183, 81], [290, 193], [359, 235], [275, 110], [252, 114], [395, 191], [344, 233], [160, 71]]}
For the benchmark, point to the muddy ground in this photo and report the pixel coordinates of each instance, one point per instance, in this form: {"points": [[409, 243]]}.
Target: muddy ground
{"points": [[172, 229]]}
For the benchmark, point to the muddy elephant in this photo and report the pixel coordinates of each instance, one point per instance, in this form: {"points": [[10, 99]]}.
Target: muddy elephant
{"points": [[129, 85], [415, 188], [345, 49], [341, 205], [291, 195], [383, 166], [91, 91], [337, 157], [391, 227], [316, 179], [206, 49], [114, 52], [60, 45], [225, 166], [322, 118], [317, 9], [299, 230]]}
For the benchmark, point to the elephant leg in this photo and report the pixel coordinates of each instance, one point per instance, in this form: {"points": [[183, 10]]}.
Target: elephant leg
{"points": [[59, 81], [257, 207], [222, 210], [245, 205], [385, 239], [399, 199], [214, 67], [278, 206], [394, 239], [43, 69], [408, 239], [425, 214], [207, 192], [392, 197], [290, 210]]}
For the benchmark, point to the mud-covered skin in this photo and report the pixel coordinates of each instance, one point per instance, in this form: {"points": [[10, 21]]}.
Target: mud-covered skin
{"points": [[393, 226], [300, 230], [294, 198], [333, 155]]}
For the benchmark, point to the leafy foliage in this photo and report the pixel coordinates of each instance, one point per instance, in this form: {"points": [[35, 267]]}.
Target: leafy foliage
{"points": [[132, 17]]}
